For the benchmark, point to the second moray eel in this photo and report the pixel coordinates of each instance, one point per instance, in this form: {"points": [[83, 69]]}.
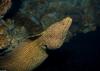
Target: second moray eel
{"points": [[5, 6]]}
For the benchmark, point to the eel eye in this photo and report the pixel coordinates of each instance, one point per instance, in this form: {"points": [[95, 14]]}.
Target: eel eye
{"points": [[44, 47]]}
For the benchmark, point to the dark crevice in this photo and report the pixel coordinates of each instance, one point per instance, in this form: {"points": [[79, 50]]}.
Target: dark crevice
{"points": [[16, 4]]}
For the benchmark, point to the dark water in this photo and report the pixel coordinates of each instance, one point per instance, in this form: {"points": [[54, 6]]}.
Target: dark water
{"points": [[82, 53], [16, 4]]}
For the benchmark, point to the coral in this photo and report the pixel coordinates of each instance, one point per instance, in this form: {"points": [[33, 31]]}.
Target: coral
{"points": [[46, 12], [11, 36]]}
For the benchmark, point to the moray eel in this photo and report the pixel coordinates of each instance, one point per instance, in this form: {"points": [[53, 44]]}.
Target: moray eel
{"points": [[31, 53], [5, 6], [4, 41]]}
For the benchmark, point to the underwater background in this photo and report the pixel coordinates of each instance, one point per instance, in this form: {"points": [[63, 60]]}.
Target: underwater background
{"points": [[81, 49]]}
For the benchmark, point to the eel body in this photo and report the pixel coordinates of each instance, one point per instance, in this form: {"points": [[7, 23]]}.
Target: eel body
{"points": [[4, 41], [31, 53], [5, 6]]}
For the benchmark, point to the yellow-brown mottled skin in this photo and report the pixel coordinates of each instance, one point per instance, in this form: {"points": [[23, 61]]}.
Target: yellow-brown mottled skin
{"points": [[30, 53], [4, 41], [4, 6]]}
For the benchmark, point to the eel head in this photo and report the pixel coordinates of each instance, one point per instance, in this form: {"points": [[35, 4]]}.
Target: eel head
{"points": [[54, 36]]}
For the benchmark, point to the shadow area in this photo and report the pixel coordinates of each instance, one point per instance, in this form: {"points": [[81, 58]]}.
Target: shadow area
{"points": [[82, 53]]}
